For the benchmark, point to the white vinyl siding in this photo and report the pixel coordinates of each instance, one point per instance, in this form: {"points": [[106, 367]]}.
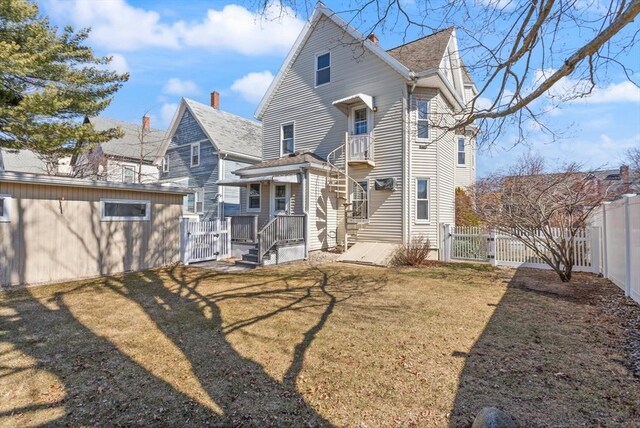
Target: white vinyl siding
{"points": [[125, 210], [320, 127], [195, 154], [323, 69]]}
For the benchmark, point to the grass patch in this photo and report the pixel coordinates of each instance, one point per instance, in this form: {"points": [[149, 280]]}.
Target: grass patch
{"points": [[314, 346]]}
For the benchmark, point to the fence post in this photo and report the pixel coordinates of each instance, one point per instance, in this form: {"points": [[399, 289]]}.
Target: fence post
{"points": [[184, 240], [227, 237], [594, 234], [493, 247], [217, 240], [605, 248], [446, 243], [255, 229], [627, 244]]}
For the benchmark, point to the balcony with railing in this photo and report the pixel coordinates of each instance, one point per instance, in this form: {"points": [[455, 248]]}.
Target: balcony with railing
{"points": [[361, 149]]}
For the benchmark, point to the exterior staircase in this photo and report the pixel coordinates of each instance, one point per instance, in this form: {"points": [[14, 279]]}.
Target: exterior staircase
{"points": [[339, 182], [252, 260]]}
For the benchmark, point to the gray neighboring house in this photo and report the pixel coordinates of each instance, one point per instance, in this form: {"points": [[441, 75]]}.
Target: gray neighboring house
{"points": [[27, 161], [132, 158], [204, 145]]}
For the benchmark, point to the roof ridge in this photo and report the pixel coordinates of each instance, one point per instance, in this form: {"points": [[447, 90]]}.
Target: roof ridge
{"points": [[218, 111], [113, 119], [451, 27]]}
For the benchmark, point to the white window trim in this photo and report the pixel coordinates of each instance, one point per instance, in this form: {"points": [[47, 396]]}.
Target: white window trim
{"points": [[282, 136], [196, 144], [272, 205], [6, 217], [315, 68], [461, 165], [103, 217], [415, 202], [254, 210], [417, 113], [128, 168], [165, 163]]}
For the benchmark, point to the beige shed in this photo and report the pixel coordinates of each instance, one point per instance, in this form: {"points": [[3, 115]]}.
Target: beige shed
{"points": [[58, 228]]}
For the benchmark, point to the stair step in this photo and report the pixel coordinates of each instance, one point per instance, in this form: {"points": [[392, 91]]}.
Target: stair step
{"points": [[250, 258], [247, 263]]}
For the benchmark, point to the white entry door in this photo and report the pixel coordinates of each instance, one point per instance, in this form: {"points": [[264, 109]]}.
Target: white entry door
{"points": [[280, 198]]}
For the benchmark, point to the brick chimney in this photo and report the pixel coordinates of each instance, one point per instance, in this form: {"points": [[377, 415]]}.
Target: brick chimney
{"points": [[624, 174], [215, 100], [373, 38], [146, 122]]}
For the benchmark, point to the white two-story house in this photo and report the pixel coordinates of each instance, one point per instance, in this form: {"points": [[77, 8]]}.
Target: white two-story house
{"points": [[358, 143]]}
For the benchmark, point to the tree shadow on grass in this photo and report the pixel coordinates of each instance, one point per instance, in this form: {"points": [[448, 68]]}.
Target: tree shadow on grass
{"points": [[109, 377], [546, 358]]}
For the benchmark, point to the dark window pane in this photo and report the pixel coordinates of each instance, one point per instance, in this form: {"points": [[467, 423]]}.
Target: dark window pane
{"points": [[461, 145], [254, 189], [422, 209], [281, 204], [121, 209], [461, 159], [324, 61], [254, 202], [423, 109], [360, 121], [422, 189], [287, 131], [323, 76], [281, 191], [1, 207], [423, 129]]}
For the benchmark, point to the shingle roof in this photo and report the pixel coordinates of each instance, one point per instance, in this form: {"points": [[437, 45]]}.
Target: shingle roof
{"points": [[129, 145], [426, 53], [230, 133], [21, 161], [294, 159]]}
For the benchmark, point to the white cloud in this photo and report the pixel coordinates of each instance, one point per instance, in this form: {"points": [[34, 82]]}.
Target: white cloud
{"points": [[118, 63], [253, 86], [166, 113], [623, 92], [179, 87], [116, 25]]}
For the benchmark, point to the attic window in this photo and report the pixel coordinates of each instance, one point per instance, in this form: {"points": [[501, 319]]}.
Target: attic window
{"points": [[323, 69], [195, 154]]}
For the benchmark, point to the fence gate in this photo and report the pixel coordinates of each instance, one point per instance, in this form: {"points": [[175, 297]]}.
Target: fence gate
{"points": [[469, 243], [204, 240]]}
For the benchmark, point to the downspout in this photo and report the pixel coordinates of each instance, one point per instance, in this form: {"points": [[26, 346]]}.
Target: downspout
{"points": [[409, 180]]}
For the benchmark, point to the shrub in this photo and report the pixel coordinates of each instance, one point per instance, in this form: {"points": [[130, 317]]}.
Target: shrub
{"points": [[416, 253]]}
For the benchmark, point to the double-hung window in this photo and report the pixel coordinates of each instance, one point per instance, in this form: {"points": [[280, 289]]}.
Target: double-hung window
{"points": [[422, 119], [287, 142], [124, 210], [461, 153], [323, 69], [422, 200], [253, 198], [5, 207], [128, 174], [195, 154], [280, 198], [360, 125]]}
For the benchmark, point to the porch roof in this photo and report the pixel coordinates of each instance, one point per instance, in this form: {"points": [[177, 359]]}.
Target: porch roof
{"points": [[344, 103], [290, 163], [241, 182]]}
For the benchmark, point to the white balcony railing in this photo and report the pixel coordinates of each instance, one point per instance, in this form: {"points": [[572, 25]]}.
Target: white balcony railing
{"points": [[360, 147]]}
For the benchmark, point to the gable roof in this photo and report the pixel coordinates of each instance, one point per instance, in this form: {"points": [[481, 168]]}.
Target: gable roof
{"points": [[129, 145], [229, 133], [24, 161], [424, 53], [319, 12]]}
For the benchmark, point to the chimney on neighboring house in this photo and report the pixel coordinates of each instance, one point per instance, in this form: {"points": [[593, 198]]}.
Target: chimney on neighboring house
{"points": [[215, 100], [626, 180], [146, 122], [373, 38]]}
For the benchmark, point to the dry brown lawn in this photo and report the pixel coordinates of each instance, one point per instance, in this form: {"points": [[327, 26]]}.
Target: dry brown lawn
{"points": [[328, 345]]}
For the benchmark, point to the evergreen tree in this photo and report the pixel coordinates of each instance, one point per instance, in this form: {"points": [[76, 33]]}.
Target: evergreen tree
{"points": [[48, 82]]}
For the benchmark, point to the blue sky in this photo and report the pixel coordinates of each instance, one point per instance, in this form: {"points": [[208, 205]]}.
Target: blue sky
{"points": [[189, 48]]}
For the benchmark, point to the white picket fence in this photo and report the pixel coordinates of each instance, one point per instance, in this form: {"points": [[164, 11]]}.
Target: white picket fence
{"points": [[620, 224], [204, 240], [499, 249]]}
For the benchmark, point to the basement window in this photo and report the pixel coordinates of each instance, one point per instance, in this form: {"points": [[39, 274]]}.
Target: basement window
{"points": [[124, 210]]}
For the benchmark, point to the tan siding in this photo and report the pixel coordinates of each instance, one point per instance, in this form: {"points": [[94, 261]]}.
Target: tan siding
{"points": [[320, 127], [55, 234]]}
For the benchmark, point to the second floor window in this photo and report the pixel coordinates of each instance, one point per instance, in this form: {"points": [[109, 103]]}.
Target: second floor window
{"points": [[128, 174], [423, 119], [287, 142], [195, 154], [461, 153], [323, 69]]}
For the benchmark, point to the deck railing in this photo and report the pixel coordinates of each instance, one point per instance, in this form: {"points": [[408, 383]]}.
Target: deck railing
{"points": [[360, 147], [281, 229], [244, 228]]}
